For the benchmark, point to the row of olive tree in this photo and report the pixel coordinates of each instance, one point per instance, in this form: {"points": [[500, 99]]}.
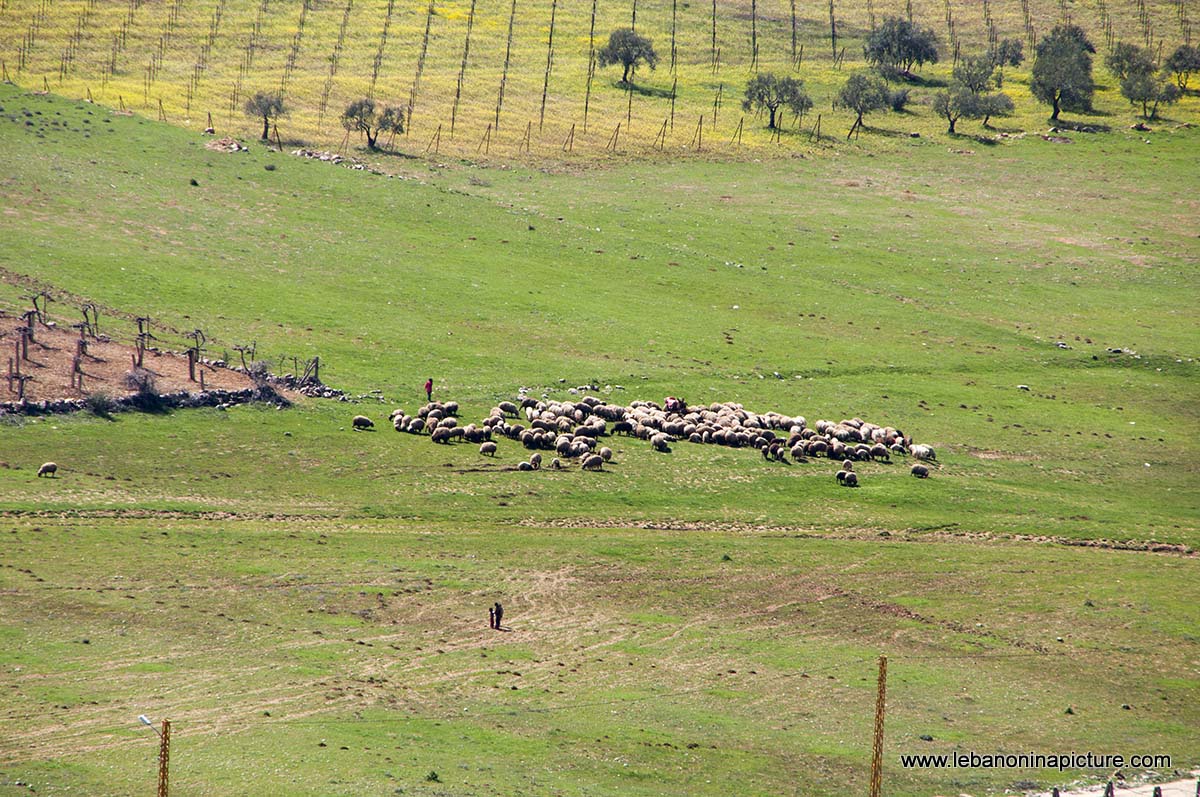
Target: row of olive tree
{"points": [[362, 116], [1061, 78]]}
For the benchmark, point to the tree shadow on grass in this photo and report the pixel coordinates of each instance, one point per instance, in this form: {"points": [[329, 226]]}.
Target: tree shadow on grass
{"points": [[882, 131], [1081, 127], [978, 138], [924, 82], [1010, 131], [644, 91], [387, 152]]}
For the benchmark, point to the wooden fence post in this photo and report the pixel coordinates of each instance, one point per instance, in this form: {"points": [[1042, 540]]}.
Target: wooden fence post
{"points": [[877, 747]]}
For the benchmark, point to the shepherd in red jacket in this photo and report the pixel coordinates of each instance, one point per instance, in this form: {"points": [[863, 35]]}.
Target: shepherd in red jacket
{"points": [[429, 390]]}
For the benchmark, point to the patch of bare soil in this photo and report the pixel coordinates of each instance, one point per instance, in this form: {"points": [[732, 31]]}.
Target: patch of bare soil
{"points": [[104, 366], [907, 535]]}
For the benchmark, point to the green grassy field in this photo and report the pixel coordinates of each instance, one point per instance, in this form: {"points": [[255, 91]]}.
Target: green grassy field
{"points": [[272, 581], [189, 60]]}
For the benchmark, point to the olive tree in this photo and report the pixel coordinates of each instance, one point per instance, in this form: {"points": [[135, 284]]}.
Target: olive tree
{"points": [[365, 117], [1182, 63], [1150, 90], [861, 94], [1128, 59], [266, 105], [978, 77], [955, 104], [768, 91], [1062, 70], [629, 49], [1008, 52], [897, 45]]}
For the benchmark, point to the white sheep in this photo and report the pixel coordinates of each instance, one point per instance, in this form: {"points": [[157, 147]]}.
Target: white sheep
{"points": [[606, 454], [487, 449], [362, 422], [594, 462], [923, 452], [536, 460]]}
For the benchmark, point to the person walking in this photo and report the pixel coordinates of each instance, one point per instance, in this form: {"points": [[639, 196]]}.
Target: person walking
{"points": [[429, 389]]}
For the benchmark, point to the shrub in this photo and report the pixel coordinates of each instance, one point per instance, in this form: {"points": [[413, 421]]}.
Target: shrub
{"points": [[898, 99], [100, 404], [141, 381], [259, 372], [145, 390]]}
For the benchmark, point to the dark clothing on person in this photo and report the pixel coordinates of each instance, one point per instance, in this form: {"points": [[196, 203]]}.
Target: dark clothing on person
{"points": [[499, 613], [491, 617]]}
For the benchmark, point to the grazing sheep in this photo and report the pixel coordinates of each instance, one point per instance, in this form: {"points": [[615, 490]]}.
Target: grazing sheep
{"points": [[880, 451], [920, 471], [508, 408], [474, 434], [451, 407], [594, 462], [923, 452], [524, 466], [851, 479], [556, 463], [441, 436], [48, 469], [847, 465], [536, 461], [622, 427], [487, 449], [362, 422], [606, 454], [841, 476], [660, 443]]}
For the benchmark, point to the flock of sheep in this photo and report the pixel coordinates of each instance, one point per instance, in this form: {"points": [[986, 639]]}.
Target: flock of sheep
{"points": [[572, 430]]}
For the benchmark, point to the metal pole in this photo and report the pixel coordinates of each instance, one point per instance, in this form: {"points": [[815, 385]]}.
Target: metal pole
{"points": [[164, 757], [877, 751]]}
